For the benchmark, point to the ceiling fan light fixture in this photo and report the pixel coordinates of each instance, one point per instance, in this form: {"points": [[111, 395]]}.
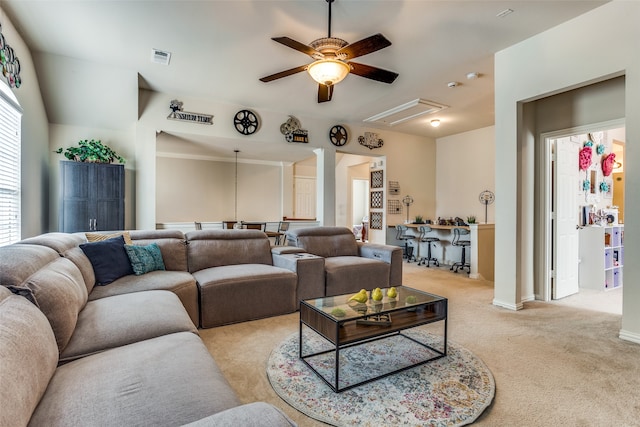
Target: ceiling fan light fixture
{"points": [[328, 71]]}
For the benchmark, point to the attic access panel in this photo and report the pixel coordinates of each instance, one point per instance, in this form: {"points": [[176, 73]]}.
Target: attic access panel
{"points": [[405, 112]]}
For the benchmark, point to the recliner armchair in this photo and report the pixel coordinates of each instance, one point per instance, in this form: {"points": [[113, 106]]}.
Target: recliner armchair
{"points": [[350, 265]]}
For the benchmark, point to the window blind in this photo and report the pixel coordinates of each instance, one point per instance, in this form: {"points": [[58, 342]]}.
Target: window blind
{"points": [[10, 124]]}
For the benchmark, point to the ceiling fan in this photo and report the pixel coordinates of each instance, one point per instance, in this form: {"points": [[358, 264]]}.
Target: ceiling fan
{"points": [[332, 60]]}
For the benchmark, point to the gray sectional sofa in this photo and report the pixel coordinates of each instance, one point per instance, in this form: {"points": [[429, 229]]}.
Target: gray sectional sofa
{"points": [[77, 353]]}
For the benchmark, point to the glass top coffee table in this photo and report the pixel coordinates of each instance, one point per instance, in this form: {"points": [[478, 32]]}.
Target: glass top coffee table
{"points": [[343, 324]]}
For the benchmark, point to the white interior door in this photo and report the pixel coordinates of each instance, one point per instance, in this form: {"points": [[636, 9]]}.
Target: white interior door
{"points": [[566, 250], [305, 197]]}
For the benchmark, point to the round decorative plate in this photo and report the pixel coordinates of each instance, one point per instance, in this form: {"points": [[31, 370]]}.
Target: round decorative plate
{"points": [[246, 122], [338, 135]]}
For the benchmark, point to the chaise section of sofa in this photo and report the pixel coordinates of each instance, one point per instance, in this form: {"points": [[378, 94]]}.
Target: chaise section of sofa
{"points": [[165, 381]]}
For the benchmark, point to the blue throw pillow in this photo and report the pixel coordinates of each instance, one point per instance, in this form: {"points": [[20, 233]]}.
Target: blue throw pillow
{"points": [[109, 259], [145, 258]]}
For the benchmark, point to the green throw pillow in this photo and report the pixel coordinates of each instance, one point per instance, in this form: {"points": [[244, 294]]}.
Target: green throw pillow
{"points": [[145, 258]]}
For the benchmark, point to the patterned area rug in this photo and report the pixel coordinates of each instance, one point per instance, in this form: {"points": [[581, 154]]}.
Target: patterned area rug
{"points": [[450, 391]]}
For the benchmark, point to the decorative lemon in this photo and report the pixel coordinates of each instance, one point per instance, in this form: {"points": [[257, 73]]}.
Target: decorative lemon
{"points": [[411, 299]]}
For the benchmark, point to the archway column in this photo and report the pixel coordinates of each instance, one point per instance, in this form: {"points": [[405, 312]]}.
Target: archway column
{"points": [[326, 184]]}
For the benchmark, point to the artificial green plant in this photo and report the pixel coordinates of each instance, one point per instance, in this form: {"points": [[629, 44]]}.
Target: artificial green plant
{"points": [[91, 151]]}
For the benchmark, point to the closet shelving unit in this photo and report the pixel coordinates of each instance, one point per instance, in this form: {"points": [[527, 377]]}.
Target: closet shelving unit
{"points": [[601, 257]]}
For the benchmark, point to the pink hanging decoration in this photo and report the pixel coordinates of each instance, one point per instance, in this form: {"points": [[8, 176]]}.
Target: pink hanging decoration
{"points": [[607, 164], [585, 158]]}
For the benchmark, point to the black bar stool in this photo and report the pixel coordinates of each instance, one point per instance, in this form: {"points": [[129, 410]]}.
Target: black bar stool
{"points": [[463, 244], [401, 234], [429, 240]]}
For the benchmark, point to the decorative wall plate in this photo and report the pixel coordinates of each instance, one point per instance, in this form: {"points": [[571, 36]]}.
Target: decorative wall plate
{"points": [[246, 122], [338, 135]]}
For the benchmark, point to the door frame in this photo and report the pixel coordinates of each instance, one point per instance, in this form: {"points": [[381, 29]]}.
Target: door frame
{"points": [[543, 290]]}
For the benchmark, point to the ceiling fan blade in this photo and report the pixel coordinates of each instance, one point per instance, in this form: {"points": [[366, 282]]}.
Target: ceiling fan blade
{"points": [[300, 47], [373, 73], [282, 74], [365, 46], [324, 93]]}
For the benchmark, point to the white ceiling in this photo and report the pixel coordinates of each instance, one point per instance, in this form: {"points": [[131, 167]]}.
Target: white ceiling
{"points": [[221, 48]]}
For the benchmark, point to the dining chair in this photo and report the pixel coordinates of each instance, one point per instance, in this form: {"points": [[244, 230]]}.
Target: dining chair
{"points": [[254, 225], [281, 238]]}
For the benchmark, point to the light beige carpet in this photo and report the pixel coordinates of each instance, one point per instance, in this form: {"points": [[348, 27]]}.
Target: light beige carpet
{"points": [[554, 364]]}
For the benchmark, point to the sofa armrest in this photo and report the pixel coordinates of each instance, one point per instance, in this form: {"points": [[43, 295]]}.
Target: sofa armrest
{"points": [[387, 253], [286, 250], [310, 271], [257, 414]]}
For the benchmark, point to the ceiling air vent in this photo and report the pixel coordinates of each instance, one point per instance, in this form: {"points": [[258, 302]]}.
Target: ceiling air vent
{"points": [[160, 56], [404, 112]]}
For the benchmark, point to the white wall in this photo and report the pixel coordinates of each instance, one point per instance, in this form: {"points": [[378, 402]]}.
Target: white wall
{"points": [[569, 49], [465, 166], [35, 148]]}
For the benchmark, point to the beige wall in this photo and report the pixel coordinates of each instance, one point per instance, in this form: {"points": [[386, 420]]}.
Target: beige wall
{"points": [[35, 148], [204, 190], [465, 165]]}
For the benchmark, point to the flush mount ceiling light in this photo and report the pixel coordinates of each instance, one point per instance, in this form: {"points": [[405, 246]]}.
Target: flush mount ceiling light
{"points": [[435, 123], [473, 75]]}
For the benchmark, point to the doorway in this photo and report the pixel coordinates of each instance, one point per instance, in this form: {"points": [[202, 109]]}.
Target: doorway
{"points": [[571, 191], [304, 190], [359, 206]]}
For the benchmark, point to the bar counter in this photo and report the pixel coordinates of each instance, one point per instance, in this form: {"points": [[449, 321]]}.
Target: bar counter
{"points": [[481, 252]]}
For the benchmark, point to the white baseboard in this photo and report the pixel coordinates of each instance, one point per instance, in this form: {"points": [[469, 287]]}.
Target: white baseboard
{"points": [[514, 307], [629, 336]]}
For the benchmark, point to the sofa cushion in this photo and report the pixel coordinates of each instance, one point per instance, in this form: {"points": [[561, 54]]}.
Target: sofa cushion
{"points": [[28, 358], [236, 293], [351, 273], [144, 258], [214, 248], [60, 293], [108, 258], [19, 261], [325, 241], [165, 381], [67, 245], [124, 319], [180, 283], [172, 244]]}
